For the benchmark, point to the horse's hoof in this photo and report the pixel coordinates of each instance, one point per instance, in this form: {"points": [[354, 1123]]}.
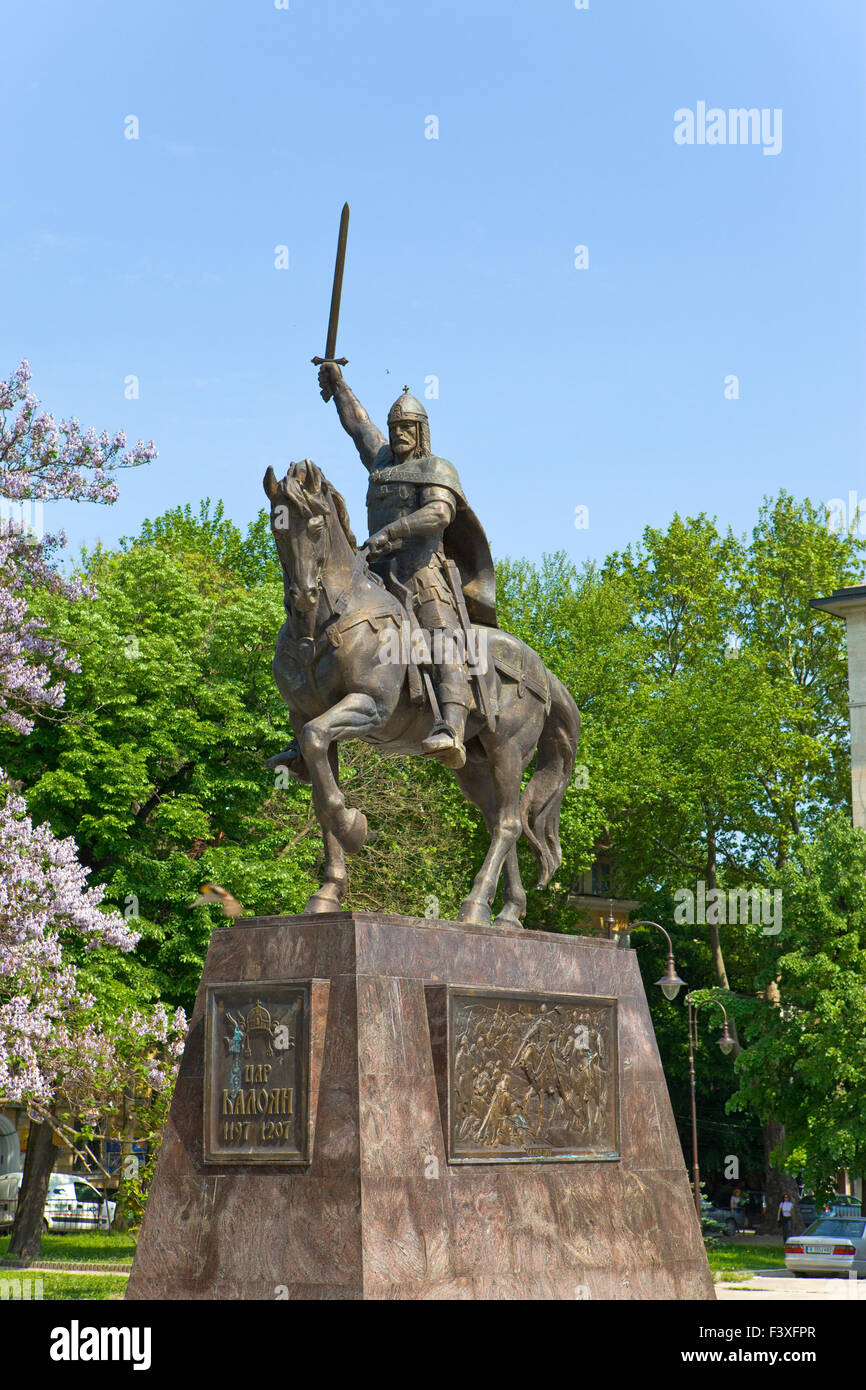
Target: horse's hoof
{"points": [[475, 913], [290, 761], [323, 901], [351, 830], [508, 918]]}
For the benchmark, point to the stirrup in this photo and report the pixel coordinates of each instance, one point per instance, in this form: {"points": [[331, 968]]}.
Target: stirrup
{"points": [[443, 743]]}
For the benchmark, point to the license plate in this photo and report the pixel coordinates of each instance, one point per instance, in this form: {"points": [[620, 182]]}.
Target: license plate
{"points": [[817, 1250]]}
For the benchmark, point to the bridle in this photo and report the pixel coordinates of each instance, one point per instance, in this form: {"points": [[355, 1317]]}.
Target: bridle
{"points": [[288, 532]]}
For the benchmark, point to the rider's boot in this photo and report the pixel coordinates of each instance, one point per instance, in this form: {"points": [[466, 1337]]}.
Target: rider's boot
{"points": [[445, 740]]}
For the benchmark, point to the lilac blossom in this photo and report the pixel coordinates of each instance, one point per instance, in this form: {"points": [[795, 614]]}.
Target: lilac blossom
{"points": [[41, 461], [56, 1053]]}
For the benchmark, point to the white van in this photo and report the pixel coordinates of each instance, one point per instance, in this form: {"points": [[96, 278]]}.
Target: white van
{"points": [[72, 1204]]}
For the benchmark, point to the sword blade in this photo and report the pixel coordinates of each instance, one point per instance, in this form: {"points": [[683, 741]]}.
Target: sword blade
{"points": [[337, 291]]}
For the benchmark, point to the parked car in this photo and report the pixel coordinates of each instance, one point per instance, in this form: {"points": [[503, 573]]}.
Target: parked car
{"points": [[808, 1210], [717, 1216], [756, 1207], [748, 1217], [72, 1204], [840, 1205], [831, 1245]]}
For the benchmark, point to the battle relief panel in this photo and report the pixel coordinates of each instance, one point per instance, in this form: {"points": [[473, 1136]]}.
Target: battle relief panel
{"points": [[257, 1068], [531, 1077]]}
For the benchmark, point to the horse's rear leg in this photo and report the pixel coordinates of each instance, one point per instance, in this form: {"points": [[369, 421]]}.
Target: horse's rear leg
{"points": [[476, 785], [493, 784], [514, 906]]}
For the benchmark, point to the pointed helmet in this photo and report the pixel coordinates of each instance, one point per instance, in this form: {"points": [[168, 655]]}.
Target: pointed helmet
{"points": [[407, 407]]}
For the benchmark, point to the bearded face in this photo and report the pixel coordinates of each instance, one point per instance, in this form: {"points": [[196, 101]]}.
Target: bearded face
{"points": [[403, 436]]}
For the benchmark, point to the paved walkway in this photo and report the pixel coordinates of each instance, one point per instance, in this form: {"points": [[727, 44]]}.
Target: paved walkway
{"points": [[781, 1286], [64, 1267]]}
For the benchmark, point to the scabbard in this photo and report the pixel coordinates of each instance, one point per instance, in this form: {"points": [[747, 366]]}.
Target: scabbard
{"points": [[452, 574]]}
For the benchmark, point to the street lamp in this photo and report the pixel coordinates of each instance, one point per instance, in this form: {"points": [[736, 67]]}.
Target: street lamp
{"points": [[727, 1044], [670, 982], [670, 985]]}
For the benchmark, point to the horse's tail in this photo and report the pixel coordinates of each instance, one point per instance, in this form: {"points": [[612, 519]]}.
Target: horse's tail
{"points": [[541, 801]]}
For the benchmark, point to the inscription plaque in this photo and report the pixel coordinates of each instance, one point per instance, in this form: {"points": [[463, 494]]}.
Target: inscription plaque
{"points": [[531, 1077], [256, 1073]]}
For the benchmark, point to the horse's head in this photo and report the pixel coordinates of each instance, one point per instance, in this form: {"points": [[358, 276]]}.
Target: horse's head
{"points": [[308, 518]]}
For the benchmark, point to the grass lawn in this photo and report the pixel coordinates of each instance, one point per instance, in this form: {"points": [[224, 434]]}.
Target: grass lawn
{"points": [[82, 1247], [36, 1286], [724, 1257]]}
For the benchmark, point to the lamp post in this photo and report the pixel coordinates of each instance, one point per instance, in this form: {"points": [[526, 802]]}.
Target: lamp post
{"points": [[670, 985], [726, 1043], [670, 982]]}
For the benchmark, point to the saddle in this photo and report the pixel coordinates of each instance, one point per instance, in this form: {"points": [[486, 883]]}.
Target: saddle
{"points": [[484, 683]]}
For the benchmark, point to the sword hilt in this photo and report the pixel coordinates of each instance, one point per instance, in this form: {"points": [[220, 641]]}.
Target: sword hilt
{"points": [[321, 362]]}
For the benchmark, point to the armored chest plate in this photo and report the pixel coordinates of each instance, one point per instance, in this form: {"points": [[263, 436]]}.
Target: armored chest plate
{"points": [[388, 501]]}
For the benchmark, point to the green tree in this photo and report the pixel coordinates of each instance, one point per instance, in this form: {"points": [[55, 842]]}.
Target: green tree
{"points": [[580, 622], [748, 714], [804, 1063], [251, 556], [158, 762]]}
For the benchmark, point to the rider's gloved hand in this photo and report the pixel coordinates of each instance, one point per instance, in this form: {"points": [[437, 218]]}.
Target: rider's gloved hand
{"points": [[329, 376], [378, 545]]}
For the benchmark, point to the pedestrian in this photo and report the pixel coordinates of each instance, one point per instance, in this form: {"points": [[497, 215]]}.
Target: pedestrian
{"points": [[737, 1209], [786, 1211]]}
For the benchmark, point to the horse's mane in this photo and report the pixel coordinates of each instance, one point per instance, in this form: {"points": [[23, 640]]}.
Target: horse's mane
{"points": [[343, 516], [314, 501]]}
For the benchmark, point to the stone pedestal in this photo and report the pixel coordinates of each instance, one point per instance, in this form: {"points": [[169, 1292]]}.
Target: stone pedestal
{"points": [[389, 1198]]}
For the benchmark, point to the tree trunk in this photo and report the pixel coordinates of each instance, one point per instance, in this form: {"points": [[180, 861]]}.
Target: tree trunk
{"points": [[121, 1217], [778, 1184], [26, 1240], [715, 937]]}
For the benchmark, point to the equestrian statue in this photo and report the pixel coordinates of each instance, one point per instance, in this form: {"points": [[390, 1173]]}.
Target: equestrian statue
{"points": [[397, 643]]}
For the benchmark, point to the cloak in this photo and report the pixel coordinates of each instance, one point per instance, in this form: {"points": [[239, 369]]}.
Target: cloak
{"points": [[464, 540]]}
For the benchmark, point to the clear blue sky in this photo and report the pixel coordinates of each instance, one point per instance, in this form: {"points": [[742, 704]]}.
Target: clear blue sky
{"points": [[559, 387]]}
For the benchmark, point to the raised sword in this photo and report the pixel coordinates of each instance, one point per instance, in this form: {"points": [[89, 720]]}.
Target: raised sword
{"points": [[336, 294]]}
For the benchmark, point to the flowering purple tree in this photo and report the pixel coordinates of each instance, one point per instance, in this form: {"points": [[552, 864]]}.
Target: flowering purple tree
{"points": [[51, 1040], [63, 1054], [41, 461]]}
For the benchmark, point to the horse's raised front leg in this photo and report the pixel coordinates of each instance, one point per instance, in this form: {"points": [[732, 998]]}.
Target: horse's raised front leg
{"points": [[352, 717], [333, 891]]}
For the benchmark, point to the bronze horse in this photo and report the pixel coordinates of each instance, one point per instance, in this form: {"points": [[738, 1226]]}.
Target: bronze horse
{"points": [[329, 669]]}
